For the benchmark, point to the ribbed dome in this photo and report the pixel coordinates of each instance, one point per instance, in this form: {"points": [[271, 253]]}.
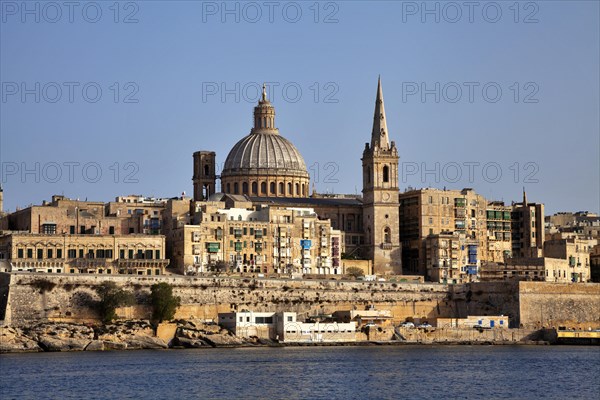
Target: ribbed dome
{"points": [[264, 151], [264, 163]]}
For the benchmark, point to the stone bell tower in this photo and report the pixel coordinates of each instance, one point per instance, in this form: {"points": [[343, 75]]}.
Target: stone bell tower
{"points": [[204, 175], [381, 205]]}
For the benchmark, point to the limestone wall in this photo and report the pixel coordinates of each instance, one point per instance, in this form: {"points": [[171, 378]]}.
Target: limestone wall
{"points": [[65, 297], [33, 298], [573, 305]]}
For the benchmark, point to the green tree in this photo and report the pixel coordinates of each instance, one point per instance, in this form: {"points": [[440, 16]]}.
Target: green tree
{"points": [[164, 304], [355, 272], [220, 266], [111, 297]]}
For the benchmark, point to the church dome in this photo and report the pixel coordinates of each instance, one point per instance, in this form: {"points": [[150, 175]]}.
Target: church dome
{"points": [[264, 150], [264, 163]]}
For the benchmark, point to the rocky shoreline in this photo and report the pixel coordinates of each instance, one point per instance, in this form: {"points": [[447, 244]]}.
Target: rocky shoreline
{"points": [[140, 334], [126, 335]]}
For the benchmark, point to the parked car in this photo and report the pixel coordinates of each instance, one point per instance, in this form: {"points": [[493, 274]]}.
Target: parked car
{"points": [[425, 325], [407, 324]]}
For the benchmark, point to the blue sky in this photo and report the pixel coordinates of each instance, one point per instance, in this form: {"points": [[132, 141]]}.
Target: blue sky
{"points": [[508, 95]]}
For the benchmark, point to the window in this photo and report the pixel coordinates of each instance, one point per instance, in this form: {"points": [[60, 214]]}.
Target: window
{"points": [[72, 229], [130, 254], [80, 253], [229, 188], [236, 188], [386, 173], [245, 188], [49, 253], [254, 188], [58, 253], [281, 188], [111, 230], [289, 189], [387, 236], [263, 188], [272, 188], [121, 253], [49, 229], [290, 318], [297, 189], [157, 254], [20, 253], [40, 254]]}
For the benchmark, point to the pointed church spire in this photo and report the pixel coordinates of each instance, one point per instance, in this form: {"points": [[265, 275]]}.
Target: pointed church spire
{"points": [[379, 136]]}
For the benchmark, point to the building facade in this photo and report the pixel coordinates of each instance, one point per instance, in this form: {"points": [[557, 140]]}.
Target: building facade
{"points": [[263, 239], [83, 254]]}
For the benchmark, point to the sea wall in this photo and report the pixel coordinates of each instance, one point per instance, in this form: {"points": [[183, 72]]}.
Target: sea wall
{"points": [[27, 299], [466, 335], [34, 298], [572, 305]]}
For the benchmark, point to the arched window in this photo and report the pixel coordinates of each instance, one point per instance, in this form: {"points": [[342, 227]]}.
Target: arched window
{"points": [[229, 188], [303, 190], [254, 188], [297, 189], [368, 174], [206, 170], [272, 188], [236, 188], [289, 188], [281, 188], [387, 235], [245, 188], [263, 187], [386, 173]]}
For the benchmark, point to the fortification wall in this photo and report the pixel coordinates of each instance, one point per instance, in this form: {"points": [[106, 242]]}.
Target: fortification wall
{"points": [[33, 298], [573, 305], [37, 298]]}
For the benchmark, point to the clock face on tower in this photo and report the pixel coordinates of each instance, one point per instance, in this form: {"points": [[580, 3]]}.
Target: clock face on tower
{"points": [[385, 197]]}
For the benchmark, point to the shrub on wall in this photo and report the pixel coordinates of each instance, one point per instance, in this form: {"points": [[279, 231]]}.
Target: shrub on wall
{"points": [[164, 304], [43, 285], [112, 297]]}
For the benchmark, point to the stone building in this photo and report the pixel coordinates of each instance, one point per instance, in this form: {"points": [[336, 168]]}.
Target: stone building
{"points": [[144, 214], [451, 258], [528, 269], [491, 231], [126, 215], [575, 250], [83, 254], [243, 237], [528, 229], [425, 212]]}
